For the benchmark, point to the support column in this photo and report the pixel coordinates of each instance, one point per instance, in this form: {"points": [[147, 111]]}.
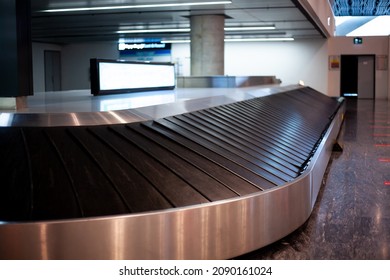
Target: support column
{"points": [[207, 45], [15, 51]]}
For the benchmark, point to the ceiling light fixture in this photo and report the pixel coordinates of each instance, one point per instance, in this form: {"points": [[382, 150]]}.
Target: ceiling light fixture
{"points": [[161, 30], [175, 41], [276, 39], [142, 6], [250, 28], [270, 39]]}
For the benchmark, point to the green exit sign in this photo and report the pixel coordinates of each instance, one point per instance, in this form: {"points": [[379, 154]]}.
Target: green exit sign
{"points": [[358, 40]]}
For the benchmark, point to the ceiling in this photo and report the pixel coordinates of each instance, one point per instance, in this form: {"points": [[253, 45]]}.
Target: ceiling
{"points": [[103, 25], [362, 17], [361, 7]]}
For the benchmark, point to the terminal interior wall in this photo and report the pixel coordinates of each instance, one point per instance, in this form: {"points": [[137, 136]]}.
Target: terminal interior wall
{"points": [[291, 62], [288, 61]]}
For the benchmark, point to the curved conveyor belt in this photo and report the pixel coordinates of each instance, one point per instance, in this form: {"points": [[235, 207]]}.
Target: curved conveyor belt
{"points": [[210, 184]]}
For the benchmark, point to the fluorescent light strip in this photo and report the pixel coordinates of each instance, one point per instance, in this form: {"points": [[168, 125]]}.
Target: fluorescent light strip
{"points": [[236, 40], [145, 6], [260, 39], [188, 29], [175, 41], [162, 30], [350, 94], [249, 28]]}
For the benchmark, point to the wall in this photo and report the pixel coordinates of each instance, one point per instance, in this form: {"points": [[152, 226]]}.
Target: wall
{"points": [[38, 50], [181, 56], [371, 45], [289, 61], [75, 62], [322, 14]]}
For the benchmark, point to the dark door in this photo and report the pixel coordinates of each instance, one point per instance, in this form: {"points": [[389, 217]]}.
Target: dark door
{"points": [[349, 76], [52, 70], [357, 76]]}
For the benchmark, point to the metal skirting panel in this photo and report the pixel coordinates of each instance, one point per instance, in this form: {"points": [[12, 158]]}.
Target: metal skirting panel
{"points": [[214, 231], [321, 158], [225, 217], [225, 81]]}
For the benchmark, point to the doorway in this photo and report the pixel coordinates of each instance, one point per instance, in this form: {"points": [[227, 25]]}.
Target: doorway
{"points": [[357, 76], [52, 70]]}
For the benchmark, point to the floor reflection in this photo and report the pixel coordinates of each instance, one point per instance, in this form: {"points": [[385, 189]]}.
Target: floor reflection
{"points": [[351, 219]]}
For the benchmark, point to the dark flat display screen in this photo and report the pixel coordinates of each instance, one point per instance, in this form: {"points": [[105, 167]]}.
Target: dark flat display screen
{"points": [[111, 76]]}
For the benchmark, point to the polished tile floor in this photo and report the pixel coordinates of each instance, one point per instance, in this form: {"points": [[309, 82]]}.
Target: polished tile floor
{"points": [[351, 219], [74, 107], [83, 101]]}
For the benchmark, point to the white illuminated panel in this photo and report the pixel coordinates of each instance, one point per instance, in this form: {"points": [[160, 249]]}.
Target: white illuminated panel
{"points": [[117, 76], [5, 119]]}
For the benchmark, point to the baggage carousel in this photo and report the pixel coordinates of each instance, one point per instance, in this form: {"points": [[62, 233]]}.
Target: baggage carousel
{"points": [[211, 183]]}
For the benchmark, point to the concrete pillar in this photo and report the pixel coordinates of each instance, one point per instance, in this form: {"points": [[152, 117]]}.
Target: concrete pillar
{"points": [[207, 45], [15, 50]]}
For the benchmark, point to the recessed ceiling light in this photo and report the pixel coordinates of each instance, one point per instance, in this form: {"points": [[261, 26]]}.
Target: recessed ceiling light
{"points": [[141, 6]]}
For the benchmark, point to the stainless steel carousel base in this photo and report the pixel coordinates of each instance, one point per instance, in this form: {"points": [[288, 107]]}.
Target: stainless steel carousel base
{"points": [[215, 230]]}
